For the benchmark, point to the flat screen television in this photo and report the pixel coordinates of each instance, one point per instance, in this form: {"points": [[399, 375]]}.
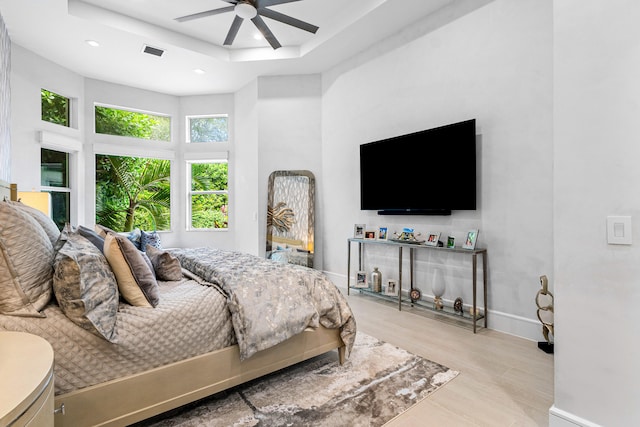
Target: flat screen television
{"points": [[431, 172]]}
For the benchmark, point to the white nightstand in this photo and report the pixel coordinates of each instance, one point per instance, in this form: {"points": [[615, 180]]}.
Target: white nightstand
{"points": [[26, 385]]}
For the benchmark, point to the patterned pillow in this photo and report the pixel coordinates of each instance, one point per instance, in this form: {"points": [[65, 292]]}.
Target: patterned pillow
{"points": [[136, 281], [85, 286], [152, 238], [26, 264], [45, 221], [166, 266], [134, 236]]}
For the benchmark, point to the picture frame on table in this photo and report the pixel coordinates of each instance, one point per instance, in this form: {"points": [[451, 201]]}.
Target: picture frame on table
{"points": [[392, 288], [451, 242], [471, 239], [361, 279], [432, 239], [358, 231], [370, 234], [383, 233]]}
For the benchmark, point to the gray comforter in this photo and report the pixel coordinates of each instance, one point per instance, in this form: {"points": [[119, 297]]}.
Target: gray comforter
{"points": [[270, 301]]}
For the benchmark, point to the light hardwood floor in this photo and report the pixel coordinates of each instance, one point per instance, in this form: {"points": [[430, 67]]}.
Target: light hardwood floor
{"points": [[503, 381]]}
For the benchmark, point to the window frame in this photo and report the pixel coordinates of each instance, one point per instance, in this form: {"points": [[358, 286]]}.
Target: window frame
{"points": [[137, 111], [219, 157], [204, 116]]}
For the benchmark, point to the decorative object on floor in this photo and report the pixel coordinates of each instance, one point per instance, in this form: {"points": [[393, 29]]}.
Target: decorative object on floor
{"points": [[458, 307], [470, 241], [291, 217], [438, 287], [377, 383], [376, 280], [544, 301]]}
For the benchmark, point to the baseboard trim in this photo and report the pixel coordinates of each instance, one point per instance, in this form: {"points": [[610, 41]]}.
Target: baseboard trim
{"points": [[511, 324], [560, 418]]}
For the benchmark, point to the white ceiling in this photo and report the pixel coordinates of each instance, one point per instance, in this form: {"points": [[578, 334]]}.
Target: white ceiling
{"points": [[58, 30]]}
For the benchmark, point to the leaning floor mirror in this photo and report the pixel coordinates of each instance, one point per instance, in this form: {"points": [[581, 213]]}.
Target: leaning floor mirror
{"points": [[290, 217]]}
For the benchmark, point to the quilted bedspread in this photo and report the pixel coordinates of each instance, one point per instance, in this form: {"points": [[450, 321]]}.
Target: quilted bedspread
{"points": [[270, 301], [191, 319]]}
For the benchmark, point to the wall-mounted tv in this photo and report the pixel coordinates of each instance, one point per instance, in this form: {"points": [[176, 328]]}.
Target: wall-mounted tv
{"points": [[431, 172]]}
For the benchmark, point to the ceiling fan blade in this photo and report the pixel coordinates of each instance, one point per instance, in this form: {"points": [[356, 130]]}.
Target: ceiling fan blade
{"points": [[286, 19], [266, 32], [233, 31], [204, 14], [267, 3]]}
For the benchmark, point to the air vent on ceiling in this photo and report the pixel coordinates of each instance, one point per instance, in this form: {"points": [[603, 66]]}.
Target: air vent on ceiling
{"points": [[152, 50]]}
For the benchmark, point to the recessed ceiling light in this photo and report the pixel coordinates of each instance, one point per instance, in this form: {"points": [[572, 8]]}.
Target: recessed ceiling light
{"points": [[199, 71], [258, 36], [92, 43]]}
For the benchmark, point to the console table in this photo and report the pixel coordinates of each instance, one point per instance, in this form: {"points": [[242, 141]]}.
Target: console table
{"points": [[400, 246]]}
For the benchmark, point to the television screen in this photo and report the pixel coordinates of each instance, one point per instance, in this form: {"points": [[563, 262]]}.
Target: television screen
{"points": [[430, 172]]}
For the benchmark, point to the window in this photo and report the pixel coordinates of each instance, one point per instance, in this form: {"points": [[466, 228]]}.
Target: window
{"points": [[208, 128], [113, 121], [54, 179], [55, 108], [208, 204], [133, 192]]}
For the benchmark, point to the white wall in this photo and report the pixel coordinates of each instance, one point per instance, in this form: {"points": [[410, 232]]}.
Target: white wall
{"points": [[494, 65], [289, 110], [597, 64], [30, 74]]}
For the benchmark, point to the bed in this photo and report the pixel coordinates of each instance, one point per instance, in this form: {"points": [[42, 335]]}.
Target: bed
{"points": [[208, 320]]}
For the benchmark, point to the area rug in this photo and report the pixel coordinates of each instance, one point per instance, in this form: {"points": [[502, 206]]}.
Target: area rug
{"points": [[377, 383]]}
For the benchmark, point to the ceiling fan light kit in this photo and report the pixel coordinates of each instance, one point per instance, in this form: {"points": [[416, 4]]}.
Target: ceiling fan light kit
{"points": [[253, 10], [245, 11]]}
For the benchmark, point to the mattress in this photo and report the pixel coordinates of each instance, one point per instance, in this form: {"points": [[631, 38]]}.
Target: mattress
{"points": [[191, 319]]}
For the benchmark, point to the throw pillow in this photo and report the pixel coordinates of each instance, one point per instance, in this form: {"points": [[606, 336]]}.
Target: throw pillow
{"points": [[166, 266], [26, 264], [136, 281], [45, 221], [92, 236], [85, 286], [151, 238]]}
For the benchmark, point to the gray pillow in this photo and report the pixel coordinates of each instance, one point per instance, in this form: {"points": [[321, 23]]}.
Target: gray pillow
{"points": [[26, 264], [47, 224], [85, 286], [166, 266], [92, 236]]}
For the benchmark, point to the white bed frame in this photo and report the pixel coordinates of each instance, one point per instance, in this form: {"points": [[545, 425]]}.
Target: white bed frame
{"points": [[127, 400], [134, 398]]}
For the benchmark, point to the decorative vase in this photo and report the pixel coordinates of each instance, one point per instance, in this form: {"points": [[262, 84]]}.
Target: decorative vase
{"points": [[376, 280], [438, 288], [437, 283]]}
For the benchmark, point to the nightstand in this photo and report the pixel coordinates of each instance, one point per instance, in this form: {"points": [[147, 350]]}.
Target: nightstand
{"points": [[26, 388]]}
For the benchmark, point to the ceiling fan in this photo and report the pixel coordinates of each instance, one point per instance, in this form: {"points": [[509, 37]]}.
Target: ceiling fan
{"points": [[254, 10]]}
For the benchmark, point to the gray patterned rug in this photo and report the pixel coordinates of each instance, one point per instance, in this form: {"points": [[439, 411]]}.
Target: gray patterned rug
{"points": [[377, 383]]}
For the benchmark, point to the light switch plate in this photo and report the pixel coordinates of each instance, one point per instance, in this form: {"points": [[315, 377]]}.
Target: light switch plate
{"points": [[619, 230]]}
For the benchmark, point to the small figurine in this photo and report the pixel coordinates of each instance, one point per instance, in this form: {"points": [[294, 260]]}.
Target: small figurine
{"points": [[546, 312]]}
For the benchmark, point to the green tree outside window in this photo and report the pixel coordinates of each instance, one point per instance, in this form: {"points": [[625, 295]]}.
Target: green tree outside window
{"points": [[133, 193]]}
